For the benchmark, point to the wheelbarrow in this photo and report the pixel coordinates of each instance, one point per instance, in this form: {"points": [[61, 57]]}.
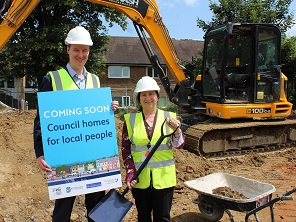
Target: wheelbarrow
{"points": [[212, 206]]}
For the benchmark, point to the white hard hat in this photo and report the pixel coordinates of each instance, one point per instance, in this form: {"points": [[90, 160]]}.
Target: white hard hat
{"points": [[78, 35], [146, 83]]}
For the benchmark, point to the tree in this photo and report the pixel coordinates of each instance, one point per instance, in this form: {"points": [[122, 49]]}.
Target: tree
{"points": [[289, 56], [289, 65], [250, 11], [38, 45]]}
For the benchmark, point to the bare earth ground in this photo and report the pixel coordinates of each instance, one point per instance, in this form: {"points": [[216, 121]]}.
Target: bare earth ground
{"points": [[24, 195]]}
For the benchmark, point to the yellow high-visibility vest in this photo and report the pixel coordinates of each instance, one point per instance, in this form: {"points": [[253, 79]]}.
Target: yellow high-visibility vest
{"points": [[161, 167], [62, 80]]}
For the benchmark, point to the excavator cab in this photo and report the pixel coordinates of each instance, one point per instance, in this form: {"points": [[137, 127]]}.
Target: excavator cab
{"points": [[241, 74], [242, 64]]}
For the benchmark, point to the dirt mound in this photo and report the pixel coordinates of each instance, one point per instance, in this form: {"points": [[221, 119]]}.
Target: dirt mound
{"points": [[228, 192], [24, 194]]}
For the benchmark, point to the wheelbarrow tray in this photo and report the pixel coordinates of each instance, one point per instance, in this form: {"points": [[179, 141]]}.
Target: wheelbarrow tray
{"points": [[257, 193]]}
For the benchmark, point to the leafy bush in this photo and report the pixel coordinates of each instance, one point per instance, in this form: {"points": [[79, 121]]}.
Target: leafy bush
{"points": [[170, 107]]}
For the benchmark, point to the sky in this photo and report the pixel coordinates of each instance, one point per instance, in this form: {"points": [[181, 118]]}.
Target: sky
{"points": [[179, 16]]}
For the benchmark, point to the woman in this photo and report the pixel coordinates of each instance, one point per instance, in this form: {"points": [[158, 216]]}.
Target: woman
{"points": [[154, 189]]}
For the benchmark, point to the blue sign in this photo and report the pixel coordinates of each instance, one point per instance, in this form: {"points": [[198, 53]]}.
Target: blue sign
{"points": [[77, 125], [79, 140]]}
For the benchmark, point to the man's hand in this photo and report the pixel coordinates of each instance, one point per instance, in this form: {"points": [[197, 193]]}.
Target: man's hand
{"points": [[43, 165], [114, 105]]}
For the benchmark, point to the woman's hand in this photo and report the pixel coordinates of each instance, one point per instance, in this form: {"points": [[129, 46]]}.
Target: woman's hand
{"points": [[174, 124], [131, 184]]}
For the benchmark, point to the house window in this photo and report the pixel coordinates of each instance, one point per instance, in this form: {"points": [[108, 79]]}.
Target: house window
{"points": [[10, 83], [119, 72], [122, 100], [126, 101], [152, 73]]}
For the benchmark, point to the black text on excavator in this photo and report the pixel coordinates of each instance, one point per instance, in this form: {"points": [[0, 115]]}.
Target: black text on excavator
{"points": [[241, 79]]}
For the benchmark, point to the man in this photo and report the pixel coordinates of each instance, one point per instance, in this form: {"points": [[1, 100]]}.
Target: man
{"points": [[73, 76]]}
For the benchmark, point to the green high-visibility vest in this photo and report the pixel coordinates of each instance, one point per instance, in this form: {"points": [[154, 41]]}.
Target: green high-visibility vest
{"points": [[62, 80], [161, 167]]}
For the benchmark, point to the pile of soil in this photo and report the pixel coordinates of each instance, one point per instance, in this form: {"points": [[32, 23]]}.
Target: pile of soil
{"points": [[24, 194], [228, 192]]}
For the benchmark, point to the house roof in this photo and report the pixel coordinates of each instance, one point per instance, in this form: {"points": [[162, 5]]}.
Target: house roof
{"points": [[129, 50]]}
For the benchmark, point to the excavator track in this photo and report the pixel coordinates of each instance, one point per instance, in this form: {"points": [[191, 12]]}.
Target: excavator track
{"points": [[237, 138]]}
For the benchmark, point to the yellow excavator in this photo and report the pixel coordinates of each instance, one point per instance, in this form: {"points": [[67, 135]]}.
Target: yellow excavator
{"points": [[241, 90]]}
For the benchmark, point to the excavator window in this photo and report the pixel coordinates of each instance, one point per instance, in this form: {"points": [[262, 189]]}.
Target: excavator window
{"points": [[230, 56], [268, 79], [237, 70], [213, 62], [239, 66]]}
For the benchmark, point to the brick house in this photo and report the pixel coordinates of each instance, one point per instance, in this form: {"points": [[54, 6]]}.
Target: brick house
{"points": [[127, 62]]}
